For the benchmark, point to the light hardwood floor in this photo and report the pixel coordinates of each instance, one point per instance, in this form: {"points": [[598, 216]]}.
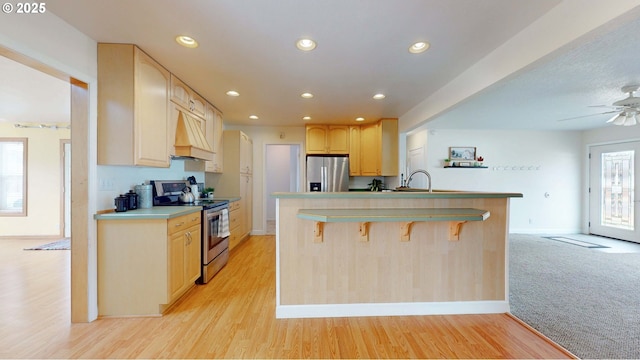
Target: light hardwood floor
{"points": [[231, 317]]}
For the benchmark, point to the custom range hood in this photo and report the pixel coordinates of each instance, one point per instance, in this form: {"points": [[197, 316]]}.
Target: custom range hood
{"points": [[190, 140]]}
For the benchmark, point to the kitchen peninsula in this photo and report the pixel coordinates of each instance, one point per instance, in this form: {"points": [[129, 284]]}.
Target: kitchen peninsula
{"points": [[391, 253]]}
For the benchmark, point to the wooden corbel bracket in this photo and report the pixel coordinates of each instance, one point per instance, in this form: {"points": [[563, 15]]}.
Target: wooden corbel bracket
{"points": [[318, 232], [454, 230], [405, 231], [364, 231]]}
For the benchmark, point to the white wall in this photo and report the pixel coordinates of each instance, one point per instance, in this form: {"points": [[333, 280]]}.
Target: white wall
{"points": [[533, 163]]}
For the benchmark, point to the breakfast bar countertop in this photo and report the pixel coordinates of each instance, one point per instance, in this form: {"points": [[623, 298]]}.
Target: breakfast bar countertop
{"points": [[412, 194]]}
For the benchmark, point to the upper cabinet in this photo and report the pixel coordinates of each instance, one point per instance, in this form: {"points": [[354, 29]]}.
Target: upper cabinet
{"points": [[186, 97], [378, 151], [133, 108], [146, 114], [190, 112], [214, 136], [327, 139], [354, 150]]}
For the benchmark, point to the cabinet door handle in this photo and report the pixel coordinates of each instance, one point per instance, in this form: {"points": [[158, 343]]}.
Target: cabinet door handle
{"points": [[179, 224]]}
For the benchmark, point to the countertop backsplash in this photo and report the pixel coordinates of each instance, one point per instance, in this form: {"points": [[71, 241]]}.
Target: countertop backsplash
{"points": [[116, 180]]}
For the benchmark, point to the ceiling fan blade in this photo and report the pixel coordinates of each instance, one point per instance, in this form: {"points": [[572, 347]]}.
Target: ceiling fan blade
{"points": [[584, 116]]}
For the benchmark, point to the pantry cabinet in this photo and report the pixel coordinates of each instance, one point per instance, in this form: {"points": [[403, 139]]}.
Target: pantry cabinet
{"points": [[214, 134], [236, 182], [133, 108], [145, 265], [327, 139]]}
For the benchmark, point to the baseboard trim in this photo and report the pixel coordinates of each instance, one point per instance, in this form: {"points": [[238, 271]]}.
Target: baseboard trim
{"points": [[391, 309]]}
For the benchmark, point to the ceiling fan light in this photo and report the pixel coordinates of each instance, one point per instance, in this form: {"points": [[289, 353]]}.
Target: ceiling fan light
{"points": [[617, 120], [631, 120]]}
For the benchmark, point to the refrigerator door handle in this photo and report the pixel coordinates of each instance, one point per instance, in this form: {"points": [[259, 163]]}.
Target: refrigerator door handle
{"points": [[323, 179]]}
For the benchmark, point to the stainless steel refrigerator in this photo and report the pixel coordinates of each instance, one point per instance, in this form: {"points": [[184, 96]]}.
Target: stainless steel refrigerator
{"points": [[327, 173]]}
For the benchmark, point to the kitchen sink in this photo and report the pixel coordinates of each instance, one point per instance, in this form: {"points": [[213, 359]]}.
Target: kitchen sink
{"points": [[406, 189]]}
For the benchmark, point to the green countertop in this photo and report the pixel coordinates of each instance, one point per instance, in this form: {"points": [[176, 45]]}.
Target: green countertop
{"points": [[156, 212], [362, 215], [229, 198], [436, 194]]}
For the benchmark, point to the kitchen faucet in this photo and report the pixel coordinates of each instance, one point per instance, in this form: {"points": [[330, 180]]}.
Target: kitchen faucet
{"points": [[419, 171]]}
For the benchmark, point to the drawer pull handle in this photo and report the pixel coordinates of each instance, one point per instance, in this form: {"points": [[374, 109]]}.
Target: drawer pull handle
{"points": [[179, 224]]}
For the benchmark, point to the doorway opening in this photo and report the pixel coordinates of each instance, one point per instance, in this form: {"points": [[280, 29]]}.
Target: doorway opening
{"points": [[83, 278], [281, 175]]}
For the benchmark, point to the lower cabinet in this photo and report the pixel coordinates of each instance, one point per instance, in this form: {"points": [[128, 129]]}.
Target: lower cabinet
{"points": [[235, 218], [184, 255], [145, 265]]}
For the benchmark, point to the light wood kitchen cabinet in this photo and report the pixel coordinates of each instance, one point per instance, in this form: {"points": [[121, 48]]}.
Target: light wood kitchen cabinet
{"points": [[184, 253], [246, 154], [379, 148], [236, 182], [369, 149], [354, 150], [186, 97], [235, 218], [133, 108], [214, 128], [327, 139], [145, 265], [246, 202]]}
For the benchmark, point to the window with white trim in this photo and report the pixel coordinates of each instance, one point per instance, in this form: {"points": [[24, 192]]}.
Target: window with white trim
{"points": [[13, 176]]}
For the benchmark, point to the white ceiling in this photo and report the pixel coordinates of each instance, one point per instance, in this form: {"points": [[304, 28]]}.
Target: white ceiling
{"points": [[248, 46], [31, 96]]}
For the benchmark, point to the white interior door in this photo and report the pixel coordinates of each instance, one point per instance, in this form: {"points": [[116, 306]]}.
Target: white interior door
{"points": [[613, 208], [417, 161]]}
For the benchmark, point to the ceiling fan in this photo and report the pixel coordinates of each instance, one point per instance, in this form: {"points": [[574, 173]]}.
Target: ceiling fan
{"points": [[626, 110]]}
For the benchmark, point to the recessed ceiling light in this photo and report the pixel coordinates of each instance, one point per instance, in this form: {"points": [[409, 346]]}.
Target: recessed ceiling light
{"points": [[306, 118], [233, 93], [360, 119], [418, 47], [305, 44], [307, 95], [186, 41], [253, 117], [379, 96]]}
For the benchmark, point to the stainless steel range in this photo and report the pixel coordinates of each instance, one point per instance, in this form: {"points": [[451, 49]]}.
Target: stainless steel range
{"points": [[215, 224]]}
